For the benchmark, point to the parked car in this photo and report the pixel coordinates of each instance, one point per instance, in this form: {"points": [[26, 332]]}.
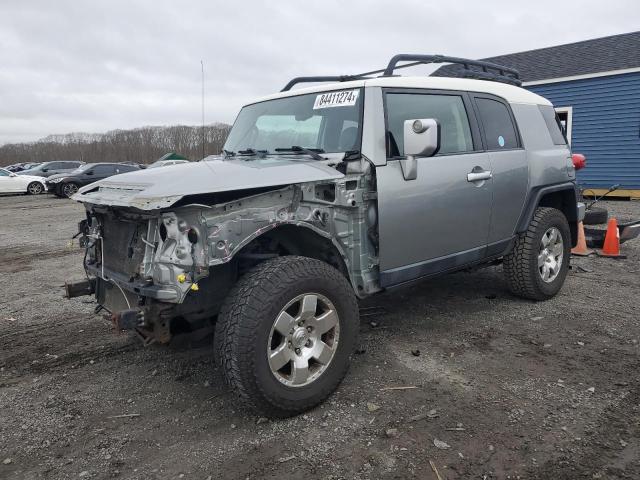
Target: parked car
{"points": [[13, 183], [47, 169], [18, 167], [325, 195], [66, 184], [165, 163]]}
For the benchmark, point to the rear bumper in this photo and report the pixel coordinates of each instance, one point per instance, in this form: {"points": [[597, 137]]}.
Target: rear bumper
{"points": [[582, 208]]}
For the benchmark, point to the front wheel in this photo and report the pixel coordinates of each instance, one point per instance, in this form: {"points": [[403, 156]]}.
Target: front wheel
{"points": [[285, 334], [35, 188], [69, 189], [538, 264]]}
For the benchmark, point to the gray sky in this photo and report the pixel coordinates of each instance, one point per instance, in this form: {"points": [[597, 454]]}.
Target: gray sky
{"points": [[71, 66]]}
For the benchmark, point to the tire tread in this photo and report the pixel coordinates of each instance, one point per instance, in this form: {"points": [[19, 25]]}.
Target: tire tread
{"points": [[239, 318], [517, 263]]}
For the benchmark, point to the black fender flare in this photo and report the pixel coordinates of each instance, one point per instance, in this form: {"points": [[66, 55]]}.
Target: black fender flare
{"points": [[537, 194]]}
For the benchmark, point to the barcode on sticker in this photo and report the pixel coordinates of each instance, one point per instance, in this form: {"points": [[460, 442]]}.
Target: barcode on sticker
{"points": [[344, 98]]}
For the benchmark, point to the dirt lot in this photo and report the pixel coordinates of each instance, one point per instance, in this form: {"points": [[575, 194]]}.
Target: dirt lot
{"points": [[515, 389]]}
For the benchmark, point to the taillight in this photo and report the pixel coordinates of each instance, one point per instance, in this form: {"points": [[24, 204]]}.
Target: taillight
{"points": [[579, 161]]}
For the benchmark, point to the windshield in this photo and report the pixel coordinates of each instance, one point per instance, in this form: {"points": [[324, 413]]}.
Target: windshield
{"points": [[38, 167], [327, 121]]}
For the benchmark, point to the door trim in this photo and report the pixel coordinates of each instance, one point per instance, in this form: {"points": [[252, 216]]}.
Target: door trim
{"points": [[433, 266], [448, 264]]}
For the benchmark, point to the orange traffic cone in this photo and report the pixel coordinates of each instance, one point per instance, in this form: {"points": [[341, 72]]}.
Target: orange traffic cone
{"points": [[611, 246], [581, 248]]}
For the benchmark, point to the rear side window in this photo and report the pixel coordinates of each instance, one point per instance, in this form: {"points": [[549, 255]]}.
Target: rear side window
{"points": [[125, 168], [499, 129], [553, 124], [104, 169], [455, 133]]}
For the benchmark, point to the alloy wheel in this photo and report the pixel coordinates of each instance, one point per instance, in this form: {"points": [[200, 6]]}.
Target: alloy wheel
{"points": [[550, 254], [35, 189], [69, 189], [303, 340]]}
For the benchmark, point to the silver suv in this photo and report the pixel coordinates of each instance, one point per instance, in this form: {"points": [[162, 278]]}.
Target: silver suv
{"points": [[326, 195]]}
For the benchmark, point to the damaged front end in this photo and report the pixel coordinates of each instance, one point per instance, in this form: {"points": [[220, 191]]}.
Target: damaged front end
{"points": [[162, 271]]}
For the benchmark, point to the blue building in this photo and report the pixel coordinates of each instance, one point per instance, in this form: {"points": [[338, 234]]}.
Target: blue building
{"points": [[595, 87]]}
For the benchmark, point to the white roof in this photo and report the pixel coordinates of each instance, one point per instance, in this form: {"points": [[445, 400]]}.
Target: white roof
{"points": [[510, 93]]}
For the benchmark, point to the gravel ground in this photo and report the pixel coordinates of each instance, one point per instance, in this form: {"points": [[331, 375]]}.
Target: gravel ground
{"points": [[500, 387]]}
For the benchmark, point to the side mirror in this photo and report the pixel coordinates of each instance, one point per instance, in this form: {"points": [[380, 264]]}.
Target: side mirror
{"points": [[45, 170], [421, 139], [90, 172], [13, 174]]}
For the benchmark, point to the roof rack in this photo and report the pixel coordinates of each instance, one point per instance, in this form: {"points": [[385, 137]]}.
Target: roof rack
{"points": [[484, 70]]}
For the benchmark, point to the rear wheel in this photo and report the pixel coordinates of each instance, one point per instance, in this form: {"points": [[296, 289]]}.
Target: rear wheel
{"points": [[285, 334], [35, 188], [68, 189], [538, 264]]}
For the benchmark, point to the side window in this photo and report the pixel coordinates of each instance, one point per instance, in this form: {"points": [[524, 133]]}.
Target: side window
{"points": [[103, 170], [455, 132], [554, 126], [4, 173], [125, 168], [499, 130]]}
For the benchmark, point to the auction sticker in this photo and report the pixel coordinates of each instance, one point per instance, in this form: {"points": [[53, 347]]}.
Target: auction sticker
{"points": [[344, 98]]}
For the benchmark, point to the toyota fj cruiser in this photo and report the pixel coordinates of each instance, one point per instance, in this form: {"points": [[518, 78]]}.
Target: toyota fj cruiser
{"points": [[325, 195]]}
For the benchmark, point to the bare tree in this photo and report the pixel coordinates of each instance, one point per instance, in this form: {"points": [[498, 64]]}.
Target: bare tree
{"points": [[140, 145]]}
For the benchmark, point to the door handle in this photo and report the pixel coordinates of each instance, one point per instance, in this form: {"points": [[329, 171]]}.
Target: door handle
{"points": [[479, 176]]}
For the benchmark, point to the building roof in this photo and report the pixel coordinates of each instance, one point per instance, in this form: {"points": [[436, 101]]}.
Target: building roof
{"points": [[617, 52], [510, 93]]}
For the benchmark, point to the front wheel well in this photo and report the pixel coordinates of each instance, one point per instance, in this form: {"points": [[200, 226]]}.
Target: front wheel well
{"points": [[290, 240]]}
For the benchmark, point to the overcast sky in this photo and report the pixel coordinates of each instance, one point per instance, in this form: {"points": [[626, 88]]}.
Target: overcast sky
{"points": [[72, 66]]}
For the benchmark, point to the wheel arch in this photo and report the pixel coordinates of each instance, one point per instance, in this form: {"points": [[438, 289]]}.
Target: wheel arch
{"points": [[563, 197], [297, 239]]}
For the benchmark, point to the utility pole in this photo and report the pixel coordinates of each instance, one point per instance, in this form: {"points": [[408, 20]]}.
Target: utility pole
{"points": [[202, 65]]}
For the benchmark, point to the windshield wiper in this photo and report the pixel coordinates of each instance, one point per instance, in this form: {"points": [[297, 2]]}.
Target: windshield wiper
{"points": [[253, 151], [312, 152], [246, 152]]}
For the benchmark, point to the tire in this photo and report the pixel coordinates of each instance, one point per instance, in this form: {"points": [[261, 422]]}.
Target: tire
{"points": [[596, 216], [35, 188], [523, 270], [247, 332], [68, 189]]}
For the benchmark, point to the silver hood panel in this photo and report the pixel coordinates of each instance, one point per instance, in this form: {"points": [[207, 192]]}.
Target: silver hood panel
{"points": [[156, 188]]}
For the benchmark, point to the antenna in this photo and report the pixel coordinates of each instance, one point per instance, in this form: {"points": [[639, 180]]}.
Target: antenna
{"points": [[202, 65]]}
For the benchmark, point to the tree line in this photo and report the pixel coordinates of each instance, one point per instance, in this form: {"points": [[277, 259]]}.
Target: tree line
{"points": [[139, 145]]}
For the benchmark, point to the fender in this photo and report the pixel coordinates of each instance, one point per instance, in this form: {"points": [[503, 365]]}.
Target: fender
{"points": [[535, 196]]}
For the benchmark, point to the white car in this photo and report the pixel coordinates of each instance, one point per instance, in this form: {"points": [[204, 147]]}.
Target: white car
{"points": [[12, 183]]}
